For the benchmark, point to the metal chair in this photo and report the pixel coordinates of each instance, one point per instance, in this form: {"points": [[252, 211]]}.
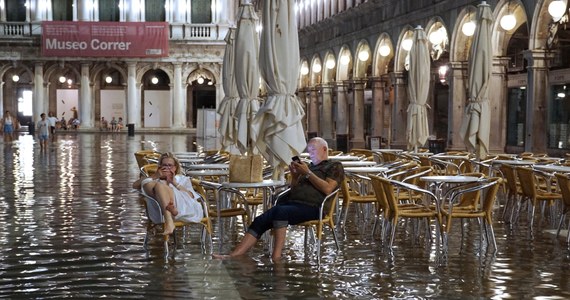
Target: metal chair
{"points": [[326, 217], [156, 219], [564, 186]]}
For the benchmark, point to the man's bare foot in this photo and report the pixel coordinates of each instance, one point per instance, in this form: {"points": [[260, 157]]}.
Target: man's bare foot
{"points": [[168, 228]]}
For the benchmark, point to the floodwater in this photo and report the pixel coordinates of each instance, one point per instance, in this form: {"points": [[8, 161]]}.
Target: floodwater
{"points": [[72, 227]]}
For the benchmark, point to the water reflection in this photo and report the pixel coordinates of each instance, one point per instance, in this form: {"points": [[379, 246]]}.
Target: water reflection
{"points": [[72, 227]]}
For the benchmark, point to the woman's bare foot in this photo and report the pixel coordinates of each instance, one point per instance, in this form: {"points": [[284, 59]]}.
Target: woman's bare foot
{"points": [[168, 228]]}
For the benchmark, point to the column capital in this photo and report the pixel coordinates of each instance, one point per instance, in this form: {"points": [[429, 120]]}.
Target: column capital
{"points": [[538, 58]]}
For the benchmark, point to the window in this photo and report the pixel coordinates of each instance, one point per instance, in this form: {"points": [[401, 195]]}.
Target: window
{"points": [[62, 10], [154, 11], [109, 10], [201, 11], [559, 117], [516, 116], [15, 11]]}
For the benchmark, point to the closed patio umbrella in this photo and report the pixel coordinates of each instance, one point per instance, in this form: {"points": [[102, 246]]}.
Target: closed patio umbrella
{"points": [[246, 68], [418, 88], [228, 125], [476, 125], [278, 124]]}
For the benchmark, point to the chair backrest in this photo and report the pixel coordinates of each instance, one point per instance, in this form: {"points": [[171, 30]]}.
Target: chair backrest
{"points": [[492, 184], [139, 155], [510, 175], [329, 203], [527, 180], [471, 198], [564, 186], [153, 210], [381, 201], [149, 169]]}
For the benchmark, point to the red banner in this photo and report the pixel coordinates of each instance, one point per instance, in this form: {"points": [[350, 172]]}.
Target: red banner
{"points": [[105, 39]]}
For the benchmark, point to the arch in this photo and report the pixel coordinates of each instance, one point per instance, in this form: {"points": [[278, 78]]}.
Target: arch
{"points": [[144, 70], [382, 57], [60, 68], [100, 68], [315, 70], [501, 38], [460, 43], [401, 54], [17, 69], [344, 68], [362, 59], [329, 71], [540, 28], [303, 73], [207, 71], [438, 37]]}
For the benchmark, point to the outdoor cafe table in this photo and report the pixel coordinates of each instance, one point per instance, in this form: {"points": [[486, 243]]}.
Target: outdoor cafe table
{"points": [[368, 170], [363, 163], [553, 168], [388, 150], [222, 173], [267, 185], [208, 166], [343, 157], [439, 181]]}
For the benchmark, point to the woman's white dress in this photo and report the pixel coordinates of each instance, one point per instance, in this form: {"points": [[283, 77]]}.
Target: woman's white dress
{"points": [[189, 209]]}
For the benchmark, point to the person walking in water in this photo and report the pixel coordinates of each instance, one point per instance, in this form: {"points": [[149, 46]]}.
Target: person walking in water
{"points": [[43, 131]]}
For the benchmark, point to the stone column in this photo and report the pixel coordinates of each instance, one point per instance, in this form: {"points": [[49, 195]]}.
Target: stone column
{"points": [[178, 103], [133, 102], [133, 11], [38, 94], [313, 118], [85, 102], [342, 117], [378, 88], [2, 110], [399, 113], [326, 112], [357, 116], [497, 102], [536, 103], [83, 11], [456, 109]]}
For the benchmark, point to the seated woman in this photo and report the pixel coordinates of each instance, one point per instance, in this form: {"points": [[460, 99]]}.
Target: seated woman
{"points": [[173, 191]]}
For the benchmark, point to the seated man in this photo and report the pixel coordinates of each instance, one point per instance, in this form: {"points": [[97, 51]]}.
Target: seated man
{"points": [[309, 187]]}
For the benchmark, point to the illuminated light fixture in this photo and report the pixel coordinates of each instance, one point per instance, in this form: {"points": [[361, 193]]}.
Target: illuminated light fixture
{"points": [[317, 68], [442, 71], [508, 22], [69, 81], [330, 64], [62, 79], [523, 87], [200, 80], [154, 80], [345, 59], [468, 28], [304, 70], [436, 36], [385, 50], [363, 55], [556, 9], [561, 95], [210, 83], [407, 44], [108, 79], [15, 78]]}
